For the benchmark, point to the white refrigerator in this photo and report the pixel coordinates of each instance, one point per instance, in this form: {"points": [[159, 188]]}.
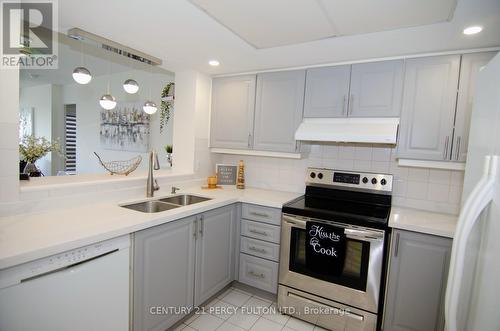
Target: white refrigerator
{"points": [[473, 289]]}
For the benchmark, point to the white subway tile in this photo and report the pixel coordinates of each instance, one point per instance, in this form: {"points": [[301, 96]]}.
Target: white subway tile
{"points": [[362, 165], [399, 188], [397, 171], [416, 190], [330, 151], [438, 192], [455, 194], [346, 152], [381, 154], [418, 174], [438, 176], [381, 166], [457, 178], [344, 164], [363, 153]]}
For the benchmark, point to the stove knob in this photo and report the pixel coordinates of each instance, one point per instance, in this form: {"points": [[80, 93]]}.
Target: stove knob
{"points": [[320, 175], [374, 181], [383, 182], [313, 175], [365, 180]]}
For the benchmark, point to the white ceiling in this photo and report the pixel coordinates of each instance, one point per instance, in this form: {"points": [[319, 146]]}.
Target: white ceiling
{"points": [[185, 37], [264, 23]]}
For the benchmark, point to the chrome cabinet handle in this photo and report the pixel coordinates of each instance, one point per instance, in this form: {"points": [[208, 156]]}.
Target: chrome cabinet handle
{"points": [[249, 137], [351, 101], [262, 233], [202, 225], [252, 273], [396, 246], [446, 141], [259, 214], [344, 106], [195, 227], [459, 140], [255, 249]]}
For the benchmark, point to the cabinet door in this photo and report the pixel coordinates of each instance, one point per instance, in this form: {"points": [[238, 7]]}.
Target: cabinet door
{"points": [[278, 110], [327, 91], [417, 282], [470, 67], [215, 252], [164, 261], [428, 111], [233, 102], [376, 89]]}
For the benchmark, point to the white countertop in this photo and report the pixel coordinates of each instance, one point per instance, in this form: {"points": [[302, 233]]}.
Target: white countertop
{"points": [[28, 237], [423, 221]]}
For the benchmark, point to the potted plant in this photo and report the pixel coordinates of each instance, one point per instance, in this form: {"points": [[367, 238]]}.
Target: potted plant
{"points": [[168, 150], [31, 149]]}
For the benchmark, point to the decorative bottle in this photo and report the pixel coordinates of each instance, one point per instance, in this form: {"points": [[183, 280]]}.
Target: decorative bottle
{"points": [[240, 182]]}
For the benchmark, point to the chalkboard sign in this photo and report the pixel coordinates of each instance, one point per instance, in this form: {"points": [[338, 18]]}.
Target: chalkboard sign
{"points": [[226, 174]]}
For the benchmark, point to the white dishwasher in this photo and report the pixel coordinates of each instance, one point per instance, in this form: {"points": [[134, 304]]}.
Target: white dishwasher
{"points": [[82, 289]]}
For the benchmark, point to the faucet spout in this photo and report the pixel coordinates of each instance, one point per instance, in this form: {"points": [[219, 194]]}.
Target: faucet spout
{"points": [[152, 184]]}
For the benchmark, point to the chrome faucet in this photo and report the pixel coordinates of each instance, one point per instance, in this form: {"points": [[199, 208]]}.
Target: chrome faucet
{"points": [[152, 184], [174, 189]]}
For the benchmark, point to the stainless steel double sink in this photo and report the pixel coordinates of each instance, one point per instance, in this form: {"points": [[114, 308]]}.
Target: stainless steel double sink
{"points": [[163, 204]]}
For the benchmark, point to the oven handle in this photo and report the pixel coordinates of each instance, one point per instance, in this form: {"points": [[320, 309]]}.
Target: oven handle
{"points": [[361, 234], [316, 303]]}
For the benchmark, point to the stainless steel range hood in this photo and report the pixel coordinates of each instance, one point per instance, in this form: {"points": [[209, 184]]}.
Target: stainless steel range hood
{"points": [[354, 130]]}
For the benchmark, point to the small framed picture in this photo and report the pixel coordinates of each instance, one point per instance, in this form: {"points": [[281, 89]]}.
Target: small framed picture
{"points": [[226, 174]]}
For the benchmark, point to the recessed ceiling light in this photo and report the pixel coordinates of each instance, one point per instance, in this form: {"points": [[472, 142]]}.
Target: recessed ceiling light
{"points": [[214, 63], [472, 30]]}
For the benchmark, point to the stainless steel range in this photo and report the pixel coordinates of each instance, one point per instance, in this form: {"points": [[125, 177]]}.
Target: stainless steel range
{"points": [[345, 293]]}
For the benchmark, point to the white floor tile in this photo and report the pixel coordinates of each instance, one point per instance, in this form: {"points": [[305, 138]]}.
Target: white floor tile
{"points": [[319, 328], [274, 315], [265, 325], [188, 328], [206, 322], [191, 319], [245, 321], [236, 298], [255, 306], [229, 327], [299, 325], [222, 309]]}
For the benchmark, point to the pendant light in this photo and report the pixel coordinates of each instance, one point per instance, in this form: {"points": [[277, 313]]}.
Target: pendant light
{"points": [[107, 101], [130, 86], [149, 106], [82, 75]]}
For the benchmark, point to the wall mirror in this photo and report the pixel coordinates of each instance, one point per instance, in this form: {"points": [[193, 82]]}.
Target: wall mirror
{"points": [[69, 121]]}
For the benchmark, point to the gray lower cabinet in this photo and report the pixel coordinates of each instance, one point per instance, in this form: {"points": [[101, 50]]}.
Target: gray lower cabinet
{"points": [[429, 99], [181, 264], [164, 263], [278, 110], [469, 69], [416, 282], [233, 102], [376, 89], [216, 252]]}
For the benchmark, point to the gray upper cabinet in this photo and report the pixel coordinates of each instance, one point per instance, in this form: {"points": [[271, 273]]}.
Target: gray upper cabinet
{"points": [[164, 262], [215, 252], [327, 91], [376, 89], [417, 282], [429, 100], [233, 101], [278, 110], [470, 67]]}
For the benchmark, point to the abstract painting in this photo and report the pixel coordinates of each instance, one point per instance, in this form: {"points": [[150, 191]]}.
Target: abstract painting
{"points": [[26, 124], [125, 128]]}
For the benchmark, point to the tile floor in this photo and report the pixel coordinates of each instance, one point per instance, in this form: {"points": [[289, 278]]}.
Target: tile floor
{"points": [[237, 310]]}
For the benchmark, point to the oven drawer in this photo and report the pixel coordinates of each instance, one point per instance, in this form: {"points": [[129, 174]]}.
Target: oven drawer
{"points": [[325, 313], [260, 231], [260, 248], [259, 273], [261, 214]]}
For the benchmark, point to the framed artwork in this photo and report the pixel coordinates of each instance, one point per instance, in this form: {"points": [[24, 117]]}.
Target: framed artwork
{"points": [[26, 122]]}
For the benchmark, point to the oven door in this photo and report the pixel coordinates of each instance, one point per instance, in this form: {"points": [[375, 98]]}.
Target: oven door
{"points": [[358, 284]]}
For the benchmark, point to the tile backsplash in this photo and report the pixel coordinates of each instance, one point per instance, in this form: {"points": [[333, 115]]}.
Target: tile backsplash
{"points": [[422, 188]]}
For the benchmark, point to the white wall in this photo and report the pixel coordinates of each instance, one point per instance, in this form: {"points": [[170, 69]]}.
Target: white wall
{"points": [[86, 98], [429, 189]]}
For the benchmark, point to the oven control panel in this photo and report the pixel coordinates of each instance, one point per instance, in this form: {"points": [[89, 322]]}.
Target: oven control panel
{"points": [[349, 179]]}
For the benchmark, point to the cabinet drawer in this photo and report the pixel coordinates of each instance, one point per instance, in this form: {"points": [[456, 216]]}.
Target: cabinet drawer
{"points": [[261, 231], [261, 214], [259, 273], [260, 248]]}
